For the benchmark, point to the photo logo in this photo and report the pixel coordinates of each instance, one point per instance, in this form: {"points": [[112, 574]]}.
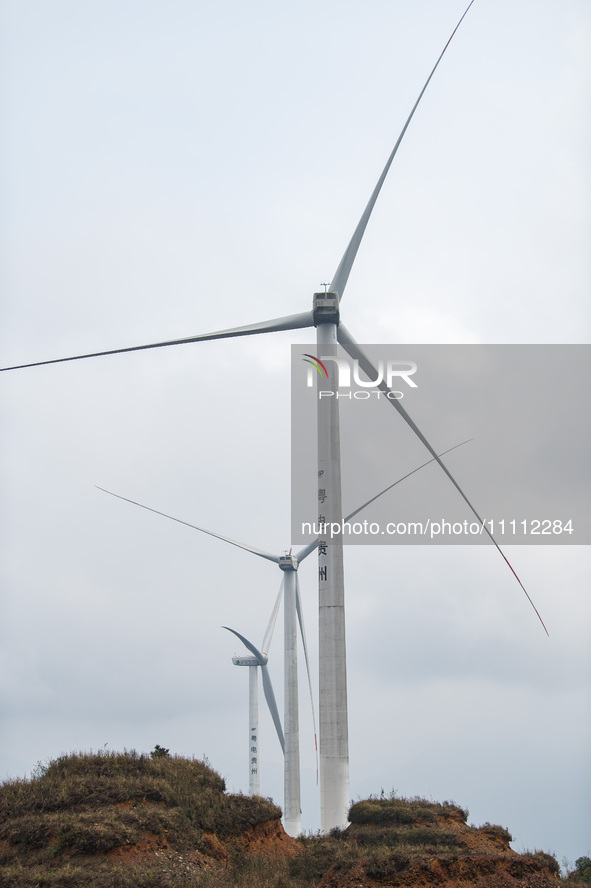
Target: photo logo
{"points": [[315, 362], [387, 371]]}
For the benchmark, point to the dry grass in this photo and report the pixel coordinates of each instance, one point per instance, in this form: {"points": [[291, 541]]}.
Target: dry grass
{"points": [[129, 820], [402, 811], [84, 805]]}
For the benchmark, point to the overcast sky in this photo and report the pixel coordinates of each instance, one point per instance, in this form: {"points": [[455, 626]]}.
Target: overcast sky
{"points": [[180, 167]]}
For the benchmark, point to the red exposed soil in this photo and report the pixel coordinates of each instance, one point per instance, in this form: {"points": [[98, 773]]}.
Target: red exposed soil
{"points": [[269, 839]]}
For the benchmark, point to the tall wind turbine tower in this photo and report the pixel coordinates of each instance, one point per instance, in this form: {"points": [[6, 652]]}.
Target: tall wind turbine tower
{"points": [[332, 704]]}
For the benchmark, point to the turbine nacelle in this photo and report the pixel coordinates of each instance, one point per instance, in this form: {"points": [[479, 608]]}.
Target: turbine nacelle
{"points": [[288, 562], [246, 661], [325, 308]]}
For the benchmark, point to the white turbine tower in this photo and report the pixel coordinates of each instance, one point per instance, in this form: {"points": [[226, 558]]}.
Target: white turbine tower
{"points": [[325, 316], [259, 660]]}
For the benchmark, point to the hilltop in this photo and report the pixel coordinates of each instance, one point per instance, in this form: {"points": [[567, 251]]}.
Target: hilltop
{"points": [[113, 820]]}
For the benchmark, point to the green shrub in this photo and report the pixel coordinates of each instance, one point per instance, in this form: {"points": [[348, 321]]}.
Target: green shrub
{"points": [[382, 862], [338, 833], [160, 752], [322, 852], [382, 811], [583, 868], [240, 810], [403, 811], [494, 831]]}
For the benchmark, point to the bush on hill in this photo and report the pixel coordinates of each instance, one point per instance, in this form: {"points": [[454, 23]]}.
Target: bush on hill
{"points": [[401, 811]]}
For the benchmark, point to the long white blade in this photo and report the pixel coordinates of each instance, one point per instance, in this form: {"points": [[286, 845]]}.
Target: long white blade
{"points": [[404, 477], [291, 322], [271, 703], [271, 627], [310, 547], [356, 352], [306, 658], [261, 552], [261, 660], [339, 281]]}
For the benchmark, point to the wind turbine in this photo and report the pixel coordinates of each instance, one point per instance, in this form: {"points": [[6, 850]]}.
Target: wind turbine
{"points": [[259, 660], [325, 316]]}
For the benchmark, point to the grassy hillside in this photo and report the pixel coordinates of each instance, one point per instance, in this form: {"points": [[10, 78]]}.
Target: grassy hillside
{"points": [[113, 820], [74, 821]]}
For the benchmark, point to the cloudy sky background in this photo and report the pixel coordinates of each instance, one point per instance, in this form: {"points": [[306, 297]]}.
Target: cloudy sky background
{"points": [[170, 169]]}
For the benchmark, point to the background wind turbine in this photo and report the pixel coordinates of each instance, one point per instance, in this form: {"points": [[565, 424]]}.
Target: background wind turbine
{"points": [[111, 208], [258, 660]]}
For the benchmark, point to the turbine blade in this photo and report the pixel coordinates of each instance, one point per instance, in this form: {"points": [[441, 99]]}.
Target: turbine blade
{"points": [[270, 698], [291, 322], [357, 353], [311, 547], [307, 550], [261, 552], [305, 646], [339, 281], [248, 644], [404, 477], [272, 621]]}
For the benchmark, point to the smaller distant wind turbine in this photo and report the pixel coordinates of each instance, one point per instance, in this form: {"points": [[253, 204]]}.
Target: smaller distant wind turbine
{"points": [[259, 660]]}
